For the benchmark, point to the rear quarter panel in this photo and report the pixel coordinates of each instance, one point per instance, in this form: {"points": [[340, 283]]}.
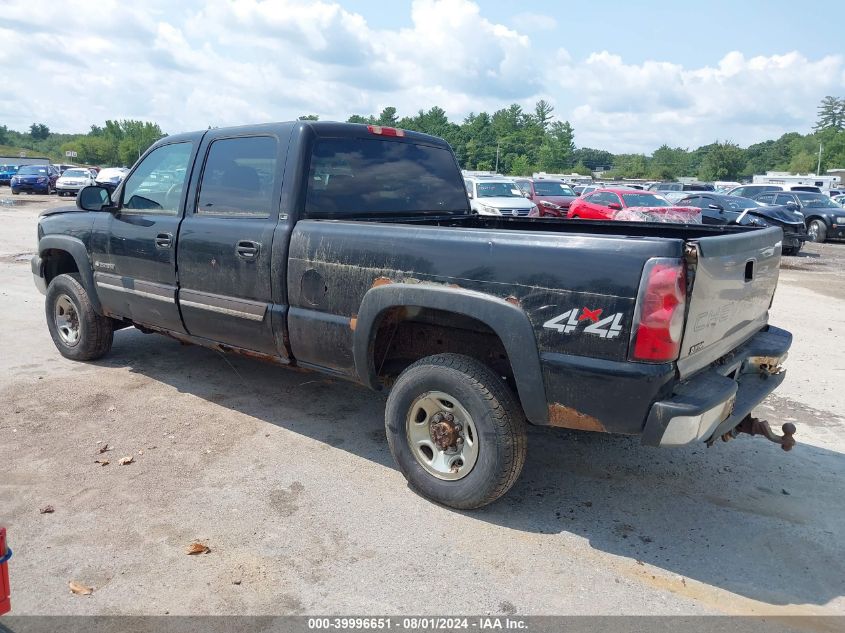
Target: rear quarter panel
{"points": [[334, 263]]}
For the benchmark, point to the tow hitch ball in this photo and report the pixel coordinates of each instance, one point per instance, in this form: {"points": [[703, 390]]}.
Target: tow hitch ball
{"points": [[755, 426]]}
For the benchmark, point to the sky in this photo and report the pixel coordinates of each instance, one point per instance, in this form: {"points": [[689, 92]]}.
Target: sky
{"points": [[629, 76]]}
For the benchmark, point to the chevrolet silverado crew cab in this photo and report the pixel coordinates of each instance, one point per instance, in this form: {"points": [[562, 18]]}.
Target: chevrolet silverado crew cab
{"points": [[352, 250]]}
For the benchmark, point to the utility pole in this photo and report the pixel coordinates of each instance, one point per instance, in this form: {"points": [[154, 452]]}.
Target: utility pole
{"points": [[819, 168], [497, 157]]}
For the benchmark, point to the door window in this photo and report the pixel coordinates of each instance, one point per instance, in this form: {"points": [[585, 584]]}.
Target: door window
{"points": [[783, 198], [239, 176], [156, 184]]}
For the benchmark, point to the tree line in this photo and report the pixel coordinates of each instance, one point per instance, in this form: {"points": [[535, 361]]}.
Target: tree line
{"points": [[512, 140]]}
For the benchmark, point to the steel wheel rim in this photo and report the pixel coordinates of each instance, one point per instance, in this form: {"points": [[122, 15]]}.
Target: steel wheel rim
{"points": [[457, 460], [67, 320]]}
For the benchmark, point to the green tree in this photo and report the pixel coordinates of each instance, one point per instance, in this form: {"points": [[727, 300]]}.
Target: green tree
{"points": [[4, 135], [309, 117], [39, 131], [357, 118], [388, 117], [543, 113], [556, 150], [520, 166], [723, 161], [581, 168], [831, 114]]}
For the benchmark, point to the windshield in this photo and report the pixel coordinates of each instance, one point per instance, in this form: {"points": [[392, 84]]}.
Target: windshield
{"points": [[816, 200], [497, 190], [76, 173], [644, 200], [8, 167], [552, 189], [33, 170]]}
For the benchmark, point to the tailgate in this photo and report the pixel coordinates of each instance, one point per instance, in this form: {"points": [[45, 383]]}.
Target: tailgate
{"points": [[735, 279]]}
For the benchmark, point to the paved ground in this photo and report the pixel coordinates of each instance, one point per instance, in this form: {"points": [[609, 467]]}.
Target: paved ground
{"points": [[286, 476]]}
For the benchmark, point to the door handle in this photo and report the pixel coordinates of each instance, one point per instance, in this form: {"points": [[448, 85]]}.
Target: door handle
{"points": [[164, 240], [247, 249]]}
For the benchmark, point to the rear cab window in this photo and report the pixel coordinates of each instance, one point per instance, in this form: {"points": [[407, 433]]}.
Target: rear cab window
{"points": [[238, 177], [376, 177]]}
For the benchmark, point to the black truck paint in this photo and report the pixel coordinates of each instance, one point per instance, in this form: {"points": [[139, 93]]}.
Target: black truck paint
{"points": [[361, 295]]}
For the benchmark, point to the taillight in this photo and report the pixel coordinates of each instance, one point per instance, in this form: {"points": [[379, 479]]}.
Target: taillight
{"points": [[660, 311], [385, 131]]}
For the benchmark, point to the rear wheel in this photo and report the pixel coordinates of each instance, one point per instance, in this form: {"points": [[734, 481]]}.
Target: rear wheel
{"points": [[78, 332], [456, 431], [817, 231]]}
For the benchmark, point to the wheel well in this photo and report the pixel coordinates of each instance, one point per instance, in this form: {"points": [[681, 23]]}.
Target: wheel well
{"points": [[406, 334], [58, 262]]}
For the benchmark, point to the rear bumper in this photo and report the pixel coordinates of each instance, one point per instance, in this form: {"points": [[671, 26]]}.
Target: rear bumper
{"points": [[715, 400]]}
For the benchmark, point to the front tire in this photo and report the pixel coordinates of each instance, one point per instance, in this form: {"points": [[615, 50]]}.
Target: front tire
{"points": [[817, 231], [456, 431], [78, 332]]}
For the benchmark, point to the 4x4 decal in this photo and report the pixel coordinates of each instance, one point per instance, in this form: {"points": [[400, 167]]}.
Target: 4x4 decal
{"points": [[568, 322]]}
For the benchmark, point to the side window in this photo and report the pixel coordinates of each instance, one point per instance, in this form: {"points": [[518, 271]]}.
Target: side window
{"points": [[783, 198], [766, 197], [693, 201], [524, 186], [238, 177], [156, 185], [612, 197]]}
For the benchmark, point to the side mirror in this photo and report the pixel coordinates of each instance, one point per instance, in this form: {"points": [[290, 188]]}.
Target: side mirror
{"points": [[526, 194], [93, 198], [615, 206], [716, 207], [792, 206], [469, 195]]}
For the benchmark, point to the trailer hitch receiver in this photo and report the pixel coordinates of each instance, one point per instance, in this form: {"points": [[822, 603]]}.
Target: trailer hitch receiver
{"points": [[755, 426]]}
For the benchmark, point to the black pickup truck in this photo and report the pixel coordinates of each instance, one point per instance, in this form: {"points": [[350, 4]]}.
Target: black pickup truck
{"points": [[351, 250]]}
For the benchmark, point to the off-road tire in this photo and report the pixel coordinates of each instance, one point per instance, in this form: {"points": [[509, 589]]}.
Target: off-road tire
{"points": [[496, 414], [96, 332]]}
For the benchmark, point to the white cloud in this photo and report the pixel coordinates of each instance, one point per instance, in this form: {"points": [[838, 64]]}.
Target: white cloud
{"points": [[240, 61]]}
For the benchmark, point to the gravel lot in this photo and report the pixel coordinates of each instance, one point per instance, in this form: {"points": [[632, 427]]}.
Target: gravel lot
{"points": [[287, 478]]}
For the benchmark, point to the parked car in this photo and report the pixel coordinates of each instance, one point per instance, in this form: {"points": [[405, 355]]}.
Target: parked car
{"points": [[552, 197], [6, 173], [724, 209], [583, 191], [497, 196], [605, 204], [840, 199], [833, 193], [111, 175], [824, 217], [749, 191], [74, 179], [352, 250], [35, 179], [673, 196], [662, 187]]}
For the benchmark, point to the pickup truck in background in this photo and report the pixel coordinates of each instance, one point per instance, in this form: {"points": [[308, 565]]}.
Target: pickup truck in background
{"points": [[352, 250]]}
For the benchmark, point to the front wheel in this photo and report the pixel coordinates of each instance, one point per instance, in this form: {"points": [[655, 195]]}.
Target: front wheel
{"points": [[817, 231], [78, 332], [456, 431]]}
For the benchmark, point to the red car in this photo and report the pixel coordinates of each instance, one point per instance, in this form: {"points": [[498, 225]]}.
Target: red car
{"points": [[552, 197], [606, 204]]}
